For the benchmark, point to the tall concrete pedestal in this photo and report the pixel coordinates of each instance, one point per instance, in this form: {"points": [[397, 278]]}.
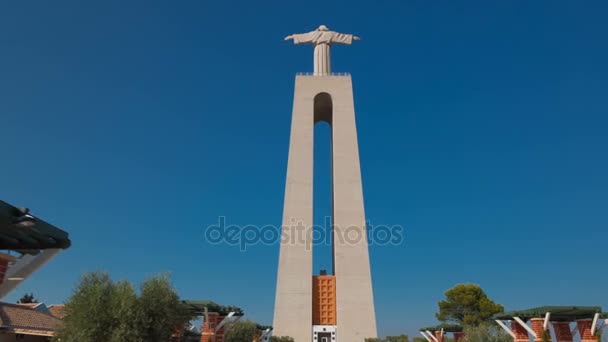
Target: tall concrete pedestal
{"points": [[324, 98]]}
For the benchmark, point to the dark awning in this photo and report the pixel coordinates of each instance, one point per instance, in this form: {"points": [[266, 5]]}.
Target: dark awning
{"points": [[21, 231], [558, 313], [445, 327], [197, 307]]}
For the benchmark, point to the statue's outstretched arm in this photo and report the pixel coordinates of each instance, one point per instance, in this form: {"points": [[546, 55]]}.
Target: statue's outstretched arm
{"points": [[343, 38], [301, 38]]}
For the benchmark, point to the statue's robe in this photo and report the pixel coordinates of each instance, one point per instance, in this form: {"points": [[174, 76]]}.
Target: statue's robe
{"points": [[322, 40]]}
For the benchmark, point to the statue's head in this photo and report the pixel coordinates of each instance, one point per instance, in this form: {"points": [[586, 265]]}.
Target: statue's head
{"points": [[322, 28]]}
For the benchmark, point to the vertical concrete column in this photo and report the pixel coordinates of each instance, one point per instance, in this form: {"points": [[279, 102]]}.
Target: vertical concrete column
{"points": [[521, 334], [537, 326], [584, 329], [330, 96], [355, 299], [208, 328], [25, 266], [458, 336], [293, 301], [219, 334], [208, 333], [562, 331]]}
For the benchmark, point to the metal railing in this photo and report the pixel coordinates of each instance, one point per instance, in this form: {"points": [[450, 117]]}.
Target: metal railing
{"points": [[330, 74]]}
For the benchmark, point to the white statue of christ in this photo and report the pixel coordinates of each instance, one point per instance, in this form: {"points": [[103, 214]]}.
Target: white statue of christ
{"points": [[322, 38]]}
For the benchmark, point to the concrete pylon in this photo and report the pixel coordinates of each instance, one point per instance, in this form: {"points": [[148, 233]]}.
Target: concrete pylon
{"points": [[538, 325], [584, 329], [329, 99], [562, 331], [521, 334]]}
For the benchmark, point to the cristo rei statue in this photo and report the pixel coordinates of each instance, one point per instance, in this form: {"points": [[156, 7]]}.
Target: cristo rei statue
{"points": [[322, 38]]}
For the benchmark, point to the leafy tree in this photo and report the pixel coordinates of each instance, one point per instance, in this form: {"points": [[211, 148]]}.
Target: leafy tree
{"points": [[281, 339], [419, 339], [467, 304], [102, 310], [487, 333], [160, 310], [241, 331], [89, 313], [27, 299], [124, 304]]}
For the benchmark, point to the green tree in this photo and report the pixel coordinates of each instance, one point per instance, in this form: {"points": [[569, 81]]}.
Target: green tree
{"points": [[101, 310], [467, 304], [27, 299], [487, 333], [160, 311], [241, 331], [281, 339], [89, 315], [124, 304]]}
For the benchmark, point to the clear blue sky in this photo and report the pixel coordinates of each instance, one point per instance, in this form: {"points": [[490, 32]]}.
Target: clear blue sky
{"points": [[482, 130]]}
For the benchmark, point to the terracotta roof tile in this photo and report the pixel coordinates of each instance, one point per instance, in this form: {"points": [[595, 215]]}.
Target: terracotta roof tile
{"points": [[57, 310], [20, 317]]}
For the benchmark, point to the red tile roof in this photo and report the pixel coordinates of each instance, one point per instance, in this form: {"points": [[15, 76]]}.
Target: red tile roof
{"points": [[24, 320], [57, 310]]}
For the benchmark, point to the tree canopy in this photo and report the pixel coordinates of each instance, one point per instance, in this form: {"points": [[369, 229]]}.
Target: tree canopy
{"points": [[241, 331], [281, 339], [487, 333], [27, 298], [103, 310], [467, 304]]}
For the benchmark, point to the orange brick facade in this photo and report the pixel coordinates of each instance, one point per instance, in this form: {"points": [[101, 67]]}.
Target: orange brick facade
{"points": [[521, 334], [537, 326], [458, 336], [584, 328], [324, 300], [208, 333], [562, 331]]}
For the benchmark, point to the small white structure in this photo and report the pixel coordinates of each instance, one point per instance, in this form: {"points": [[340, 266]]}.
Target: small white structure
{"points": [[324, 333]]}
